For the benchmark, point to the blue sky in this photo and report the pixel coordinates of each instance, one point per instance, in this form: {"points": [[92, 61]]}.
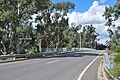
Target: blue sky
{"points": [[83, 5]]}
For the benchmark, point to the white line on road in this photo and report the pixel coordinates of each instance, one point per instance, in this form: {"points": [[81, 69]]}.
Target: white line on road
{"points": [[81, 75], [52, 61]]}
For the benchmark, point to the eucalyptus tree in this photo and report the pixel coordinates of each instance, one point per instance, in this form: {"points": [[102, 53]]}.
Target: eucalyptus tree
{"points": [[43, 22], [52, 22], [117, 34], [14, 16], [89, 36], [112, 14], [60, 20], [75, 36], [15, 24], [72, 36], [6, 16], [2, 43]]}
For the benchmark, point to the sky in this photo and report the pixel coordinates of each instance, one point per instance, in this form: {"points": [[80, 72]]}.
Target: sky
{"points": [[90, 12], [84, 5]]}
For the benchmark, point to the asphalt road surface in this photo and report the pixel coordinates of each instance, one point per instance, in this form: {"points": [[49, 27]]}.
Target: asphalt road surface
{"points": [[68, 67]]}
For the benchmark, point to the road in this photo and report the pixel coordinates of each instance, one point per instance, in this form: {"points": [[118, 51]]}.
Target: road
{"points": [[67, 67]]}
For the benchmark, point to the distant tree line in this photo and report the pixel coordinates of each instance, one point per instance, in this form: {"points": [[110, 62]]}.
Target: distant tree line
{"points": [[19, 31]]}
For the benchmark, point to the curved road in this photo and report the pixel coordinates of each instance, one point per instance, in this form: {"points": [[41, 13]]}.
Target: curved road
{"points": [[67, 67]]}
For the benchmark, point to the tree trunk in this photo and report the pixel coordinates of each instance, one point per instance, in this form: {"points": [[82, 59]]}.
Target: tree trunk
{"points": [[40, 49], [4, 49]]}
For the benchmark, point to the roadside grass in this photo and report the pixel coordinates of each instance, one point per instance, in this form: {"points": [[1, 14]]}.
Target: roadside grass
{"points": [[117, 58], [116, 70], [116, 62]]}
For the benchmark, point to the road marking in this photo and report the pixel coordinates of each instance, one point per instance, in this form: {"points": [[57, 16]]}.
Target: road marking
{"points": [[81, 75], [52, 61]]}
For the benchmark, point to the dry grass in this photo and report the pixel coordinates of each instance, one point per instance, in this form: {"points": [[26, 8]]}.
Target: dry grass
{"points": [[110, 51], [17, 59], [102, 75]]}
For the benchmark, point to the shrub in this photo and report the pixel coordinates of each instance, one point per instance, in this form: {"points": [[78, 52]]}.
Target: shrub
{"points": [[117, 58], [116, 70], [33, 50], [117, 49]]}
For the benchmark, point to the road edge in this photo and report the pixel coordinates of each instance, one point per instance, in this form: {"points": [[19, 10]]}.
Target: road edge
{"points": [[83, 72]]}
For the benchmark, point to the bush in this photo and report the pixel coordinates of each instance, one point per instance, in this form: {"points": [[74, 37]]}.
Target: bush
{"points": [[117, 58], [117, 49], [33, 50], [116, 70], [117, 55]]}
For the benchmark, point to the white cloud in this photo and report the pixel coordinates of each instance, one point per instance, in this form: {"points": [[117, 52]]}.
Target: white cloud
{"points": [[92, 16], [103, 40], [117, 23]]}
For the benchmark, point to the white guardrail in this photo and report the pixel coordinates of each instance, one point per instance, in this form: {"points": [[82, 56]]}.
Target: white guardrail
{"points": [[108, 65], [106, 61]]}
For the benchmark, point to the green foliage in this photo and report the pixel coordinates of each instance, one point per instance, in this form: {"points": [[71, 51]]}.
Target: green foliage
{"points": [[52, 25], [112, 14], [5, 15], [33, 50], [89, 36], [117, 49], [116, 70], [2, 31], [117, 54], [117, 57]]}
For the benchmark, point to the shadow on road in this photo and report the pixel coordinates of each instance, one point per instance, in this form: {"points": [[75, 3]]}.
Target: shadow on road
{"points": [[76, 54]]}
